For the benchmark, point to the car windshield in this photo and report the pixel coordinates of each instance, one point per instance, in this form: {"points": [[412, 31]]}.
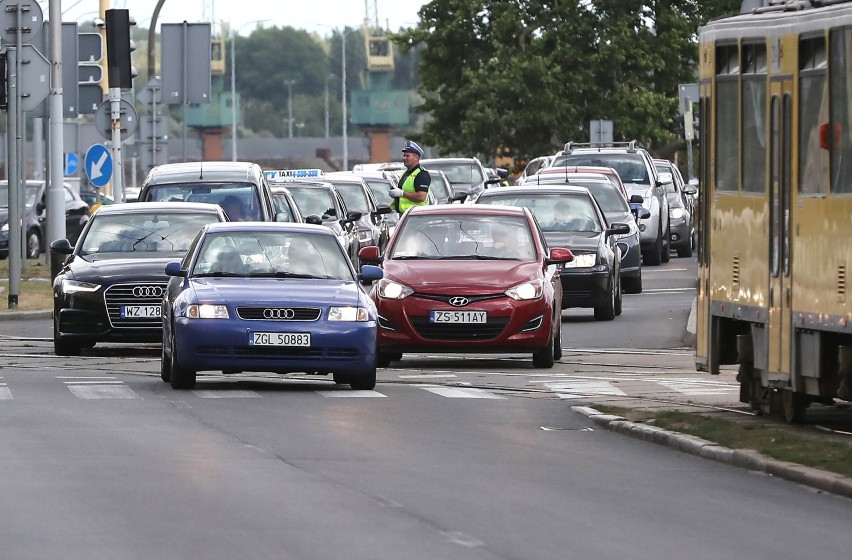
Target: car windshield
{"points": [[144, 234], [464, 237], [353, 195], [381, 191], [608, 196], [271, 254], [458, 173], [314, 201], [439, 187], [554, 212], [31, 192], [214, 193], [631, 168]]}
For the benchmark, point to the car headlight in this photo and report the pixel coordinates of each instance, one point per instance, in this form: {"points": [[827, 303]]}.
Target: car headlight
{"points": [[5, 227], [585, 260], [207, 311], [393, 290], [75, 286], [348, 314], [528, 290], [676, 213]]}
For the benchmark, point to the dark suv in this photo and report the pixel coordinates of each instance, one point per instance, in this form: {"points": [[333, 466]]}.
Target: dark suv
{"points": [[639, 175]]}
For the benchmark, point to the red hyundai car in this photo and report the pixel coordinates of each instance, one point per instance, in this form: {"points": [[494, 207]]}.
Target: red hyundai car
{"points": [[464, 278]]}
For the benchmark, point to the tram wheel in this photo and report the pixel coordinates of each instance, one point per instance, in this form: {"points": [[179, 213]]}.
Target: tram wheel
{"points": [[793, 406]]}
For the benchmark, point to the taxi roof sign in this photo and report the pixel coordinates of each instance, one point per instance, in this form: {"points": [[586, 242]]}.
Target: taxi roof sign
{"points": [[283, 174]]}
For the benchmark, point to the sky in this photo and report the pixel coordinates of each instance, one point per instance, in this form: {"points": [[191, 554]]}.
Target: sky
{"points": [[320, 16]]}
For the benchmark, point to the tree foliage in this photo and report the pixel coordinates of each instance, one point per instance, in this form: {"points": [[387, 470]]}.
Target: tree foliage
{"points": [[521, 77]]}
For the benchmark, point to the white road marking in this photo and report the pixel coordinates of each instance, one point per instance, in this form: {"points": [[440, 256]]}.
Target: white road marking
{"points": [[5, 393], [429, 376], [225, 394], [462, 393], [584, 389], [103, 391], [697, 386], [346, 393]]}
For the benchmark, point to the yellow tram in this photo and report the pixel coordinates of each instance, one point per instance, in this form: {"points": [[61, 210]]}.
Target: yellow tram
{"points": [[775, 203]]}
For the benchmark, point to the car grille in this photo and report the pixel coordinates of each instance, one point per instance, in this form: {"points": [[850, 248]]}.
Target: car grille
{"points": [[139, 293], [459, 331], [446, 299], [278, 353], [279, 313]]}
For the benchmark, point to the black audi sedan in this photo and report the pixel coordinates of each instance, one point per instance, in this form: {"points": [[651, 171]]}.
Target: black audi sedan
{"points": [[571, 217], [111, 285]]}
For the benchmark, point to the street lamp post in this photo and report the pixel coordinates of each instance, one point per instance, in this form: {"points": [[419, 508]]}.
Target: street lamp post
{"points": [[343, 88], [289, 84], [234, 88], [327, 78]]}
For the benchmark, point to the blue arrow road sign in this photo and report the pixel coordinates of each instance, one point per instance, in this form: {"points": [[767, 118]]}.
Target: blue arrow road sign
{"points": [[98, 165], [72, 163]]}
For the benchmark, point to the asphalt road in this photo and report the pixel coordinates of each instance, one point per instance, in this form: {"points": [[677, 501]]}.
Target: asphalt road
{"points": [[477, 457]]}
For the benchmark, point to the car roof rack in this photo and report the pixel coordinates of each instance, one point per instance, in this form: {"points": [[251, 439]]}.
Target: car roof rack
{"points": [[569, 146]]}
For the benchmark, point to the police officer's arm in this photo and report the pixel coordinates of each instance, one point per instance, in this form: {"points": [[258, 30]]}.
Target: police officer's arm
{"points": [[421, 187]]}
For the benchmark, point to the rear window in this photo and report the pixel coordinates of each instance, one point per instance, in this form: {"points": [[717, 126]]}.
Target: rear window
{"points": [[630, 167], [213, 193]]}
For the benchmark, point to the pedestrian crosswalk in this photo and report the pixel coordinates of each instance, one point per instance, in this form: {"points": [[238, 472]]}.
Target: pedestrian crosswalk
{"points": [[560, 386]]}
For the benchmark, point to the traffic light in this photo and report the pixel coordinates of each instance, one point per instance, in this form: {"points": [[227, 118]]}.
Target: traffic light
{"points": [[120, 71], [679, 127]]}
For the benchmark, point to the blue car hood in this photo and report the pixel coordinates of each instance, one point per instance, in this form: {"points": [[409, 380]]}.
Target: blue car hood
{"points": [[278, 291]]}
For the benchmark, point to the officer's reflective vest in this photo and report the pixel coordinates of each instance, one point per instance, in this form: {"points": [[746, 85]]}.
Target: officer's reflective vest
{"points": [[403, 203]]}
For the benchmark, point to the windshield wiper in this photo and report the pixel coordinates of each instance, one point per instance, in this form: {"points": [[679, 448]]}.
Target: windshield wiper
{"points": [[284, 274], [219, 274]]}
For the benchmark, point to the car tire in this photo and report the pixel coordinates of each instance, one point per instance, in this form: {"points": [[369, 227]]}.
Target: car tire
{"points": [[654, 255], [685, 250], [33, 244], [543, 359], [666, 254], [165, 366], [618, 298], [633, 285], [557, 344], [340, 379], [364, 382], [606, 312], [180, 378], [63, 347]]}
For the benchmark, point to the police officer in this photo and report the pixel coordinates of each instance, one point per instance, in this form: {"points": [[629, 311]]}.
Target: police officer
{"points": [[413, 187]]}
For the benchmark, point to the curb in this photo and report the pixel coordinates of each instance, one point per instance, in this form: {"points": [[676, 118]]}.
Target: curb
{"points": [[746, 458], [23, 315]]}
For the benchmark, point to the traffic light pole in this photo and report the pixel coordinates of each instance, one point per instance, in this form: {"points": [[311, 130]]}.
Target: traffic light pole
{"points": [[117, 168], [56, 189]]}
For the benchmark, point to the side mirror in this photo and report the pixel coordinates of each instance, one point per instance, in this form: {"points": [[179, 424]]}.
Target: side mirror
{"points": [[664, 178], [636, 199], [40, 207], [369, 255], [559, 255], [382, 209], [370, 273], [313, 219], [62, 246], [690, 190], [353, 216], [173, 269], [493, 181], [618, 228], [459, 196]]}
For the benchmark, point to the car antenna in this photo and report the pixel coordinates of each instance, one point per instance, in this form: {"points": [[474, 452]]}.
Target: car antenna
{"points": [[200, 170]]}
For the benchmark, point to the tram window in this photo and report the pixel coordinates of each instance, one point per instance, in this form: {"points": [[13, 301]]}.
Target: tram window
{"points": [[813, 111], [754, 117], [727, 118], [840, 132]]}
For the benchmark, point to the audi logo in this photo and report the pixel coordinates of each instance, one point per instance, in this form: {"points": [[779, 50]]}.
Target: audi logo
{"points": [[272, 313], [148, 291], [459, 301]]}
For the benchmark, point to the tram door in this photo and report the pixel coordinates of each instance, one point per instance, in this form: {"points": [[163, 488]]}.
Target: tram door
{"points": [[705, 360], [780, 281]]}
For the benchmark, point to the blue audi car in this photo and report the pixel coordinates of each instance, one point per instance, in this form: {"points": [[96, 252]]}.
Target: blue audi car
{"points": [[271, 297]]}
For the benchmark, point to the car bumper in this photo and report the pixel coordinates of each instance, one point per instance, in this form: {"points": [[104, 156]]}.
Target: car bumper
{"points": [[223, 345], [404, 326], [94, 325], [584, 288]]}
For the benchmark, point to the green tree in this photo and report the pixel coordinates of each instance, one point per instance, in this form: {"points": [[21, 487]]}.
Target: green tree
{"points": [[520, 77]]}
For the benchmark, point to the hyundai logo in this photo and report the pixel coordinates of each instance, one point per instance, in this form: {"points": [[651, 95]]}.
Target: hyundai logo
{"points": [[148, 291], [275, 313], [459, 301]]}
